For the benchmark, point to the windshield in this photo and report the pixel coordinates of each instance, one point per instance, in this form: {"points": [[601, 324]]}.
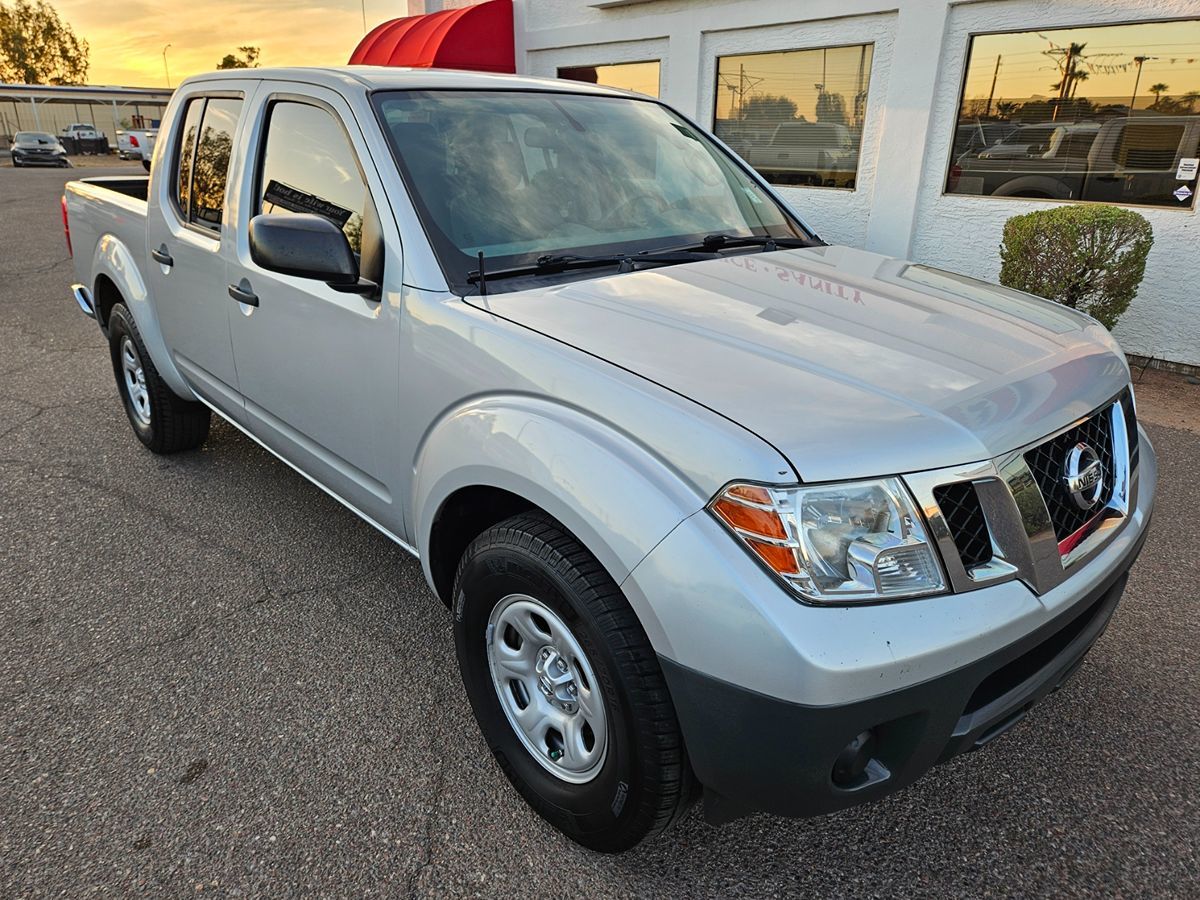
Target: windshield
{"points": [[34, 137], [521, 175]]}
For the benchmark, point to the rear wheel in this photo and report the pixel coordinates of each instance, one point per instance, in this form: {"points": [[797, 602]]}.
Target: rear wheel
{"points": [[565, 686], [162, 420]]}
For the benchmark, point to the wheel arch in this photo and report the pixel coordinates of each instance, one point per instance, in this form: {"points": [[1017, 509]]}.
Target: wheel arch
{"points": [[492, 458], [117, 277], [1051, 188]]}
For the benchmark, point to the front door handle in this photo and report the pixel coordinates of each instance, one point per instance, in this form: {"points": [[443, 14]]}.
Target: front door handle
{"points": [[162, 256], [242, 294]]}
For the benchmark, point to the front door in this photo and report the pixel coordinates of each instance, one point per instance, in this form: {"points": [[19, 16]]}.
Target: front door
{"points": [[185, 234], [319, 370]]}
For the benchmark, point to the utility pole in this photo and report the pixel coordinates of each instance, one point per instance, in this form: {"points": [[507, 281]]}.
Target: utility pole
{"points": [[992, 92], [165, 69]]}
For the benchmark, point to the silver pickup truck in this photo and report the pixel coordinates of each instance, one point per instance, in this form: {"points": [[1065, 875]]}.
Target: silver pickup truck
{"points": [[717, 508]]}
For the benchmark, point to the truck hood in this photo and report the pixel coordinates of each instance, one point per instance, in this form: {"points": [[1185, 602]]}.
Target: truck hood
{"points": [[851, 364]]}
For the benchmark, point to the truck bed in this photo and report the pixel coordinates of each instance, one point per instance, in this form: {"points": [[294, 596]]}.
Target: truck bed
{"points": [[136, 186], [107, 219]]}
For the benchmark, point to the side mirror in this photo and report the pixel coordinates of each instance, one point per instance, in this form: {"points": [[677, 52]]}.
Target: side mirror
{"points": [[307, 246]]}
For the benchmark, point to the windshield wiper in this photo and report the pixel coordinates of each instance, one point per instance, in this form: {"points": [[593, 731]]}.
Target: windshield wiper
{"points": [[712, 243], [553, 264]]}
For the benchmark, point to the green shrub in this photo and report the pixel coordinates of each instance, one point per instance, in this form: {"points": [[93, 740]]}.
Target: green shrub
{"points": [[1091, 258]]}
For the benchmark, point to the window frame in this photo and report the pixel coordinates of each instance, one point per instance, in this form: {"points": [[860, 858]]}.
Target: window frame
{"points": [[623, 62], [1192, 207], [177, 147], [712, 129]]}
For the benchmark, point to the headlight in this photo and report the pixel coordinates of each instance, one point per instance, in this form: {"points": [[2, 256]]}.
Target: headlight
{"points": [[836, 543]]}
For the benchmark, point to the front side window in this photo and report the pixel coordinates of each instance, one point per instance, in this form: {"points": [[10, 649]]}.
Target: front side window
{"points": [[518, 176], [309, 166], [1107, 114], [642, 77], [796, 116]]}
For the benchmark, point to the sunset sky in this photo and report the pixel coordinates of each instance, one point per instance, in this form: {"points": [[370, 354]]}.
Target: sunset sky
{"points": [[1171, 49], [127, 36]]}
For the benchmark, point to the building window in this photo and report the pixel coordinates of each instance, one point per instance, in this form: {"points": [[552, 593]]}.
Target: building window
{"points": [[1108, 114], [796, 116], [636, 76]]}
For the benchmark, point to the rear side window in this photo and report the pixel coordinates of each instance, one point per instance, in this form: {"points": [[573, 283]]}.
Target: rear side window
{"points": [[309, 166], [206, 146], [187, 152]]}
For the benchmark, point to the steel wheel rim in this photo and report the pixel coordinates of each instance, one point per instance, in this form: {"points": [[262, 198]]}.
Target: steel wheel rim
{"points": [[135, 382], [547, 688]]}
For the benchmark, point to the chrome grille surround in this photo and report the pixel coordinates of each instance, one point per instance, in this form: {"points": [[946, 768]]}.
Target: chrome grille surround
{"points": [[1025, 544]]}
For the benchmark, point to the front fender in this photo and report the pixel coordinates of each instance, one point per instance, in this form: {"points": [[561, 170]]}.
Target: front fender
{"points": [[114, 260], [612, 492]]}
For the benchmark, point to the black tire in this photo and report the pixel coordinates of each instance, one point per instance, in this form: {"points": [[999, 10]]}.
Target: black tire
{"points": [[645, 783], [174, 424]]}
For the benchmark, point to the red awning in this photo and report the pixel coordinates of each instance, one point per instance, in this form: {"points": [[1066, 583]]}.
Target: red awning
{"points": [[473, 37]]}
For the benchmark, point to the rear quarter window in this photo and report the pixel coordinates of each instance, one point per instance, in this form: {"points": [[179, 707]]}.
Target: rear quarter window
{"points": [[205, 150]]}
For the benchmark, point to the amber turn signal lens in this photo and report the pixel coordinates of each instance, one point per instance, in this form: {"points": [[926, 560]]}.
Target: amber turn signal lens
{"points": [[781, 559], [748, 518]]}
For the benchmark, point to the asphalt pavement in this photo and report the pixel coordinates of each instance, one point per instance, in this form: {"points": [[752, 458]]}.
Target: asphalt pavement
{"points": [[214, 679]]}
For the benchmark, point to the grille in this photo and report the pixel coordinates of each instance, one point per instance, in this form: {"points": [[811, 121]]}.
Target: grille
{"points": [[1046, 463], [959, 503]]}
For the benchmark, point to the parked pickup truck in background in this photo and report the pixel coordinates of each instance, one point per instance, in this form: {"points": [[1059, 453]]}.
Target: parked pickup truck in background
{"points": [[814, 153], [136, 144], [1122, 160], [81, 131], [717, 508]]}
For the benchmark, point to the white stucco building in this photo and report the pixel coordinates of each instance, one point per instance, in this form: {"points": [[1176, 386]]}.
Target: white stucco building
{"points": [[910, 71]]}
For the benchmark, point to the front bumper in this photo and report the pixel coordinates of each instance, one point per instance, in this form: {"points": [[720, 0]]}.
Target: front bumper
{"points": [[39, 159], [754, 752], [770, 693]]}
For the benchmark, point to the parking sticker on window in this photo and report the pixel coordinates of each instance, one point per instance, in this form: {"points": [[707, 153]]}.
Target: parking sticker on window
{"points": [[1182, 193]]}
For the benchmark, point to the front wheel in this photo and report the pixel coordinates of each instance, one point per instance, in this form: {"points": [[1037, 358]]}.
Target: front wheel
{"points": [[565, 686], [161, 419]]}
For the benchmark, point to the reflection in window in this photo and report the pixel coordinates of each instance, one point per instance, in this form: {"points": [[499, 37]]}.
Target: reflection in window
{"points": [[211, 168], [187, 150], [1106, 113], [310, 167], [796, 116], [639, 76]]}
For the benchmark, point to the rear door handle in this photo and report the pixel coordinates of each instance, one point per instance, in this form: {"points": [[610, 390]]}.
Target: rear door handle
{"points": [[162, 256], [242, 294]]}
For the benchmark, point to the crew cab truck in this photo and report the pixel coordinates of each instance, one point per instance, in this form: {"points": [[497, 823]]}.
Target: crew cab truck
{"points": [[718, 509]]}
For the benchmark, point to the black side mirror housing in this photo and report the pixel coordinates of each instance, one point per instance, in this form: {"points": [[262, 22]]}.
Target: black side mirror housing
{"points": [[306, 246]]}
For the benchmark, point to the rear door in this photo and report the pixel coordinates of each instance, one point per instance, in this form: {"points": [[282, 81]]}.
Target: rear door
{"points": [[188, 238], [318, 369]]}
